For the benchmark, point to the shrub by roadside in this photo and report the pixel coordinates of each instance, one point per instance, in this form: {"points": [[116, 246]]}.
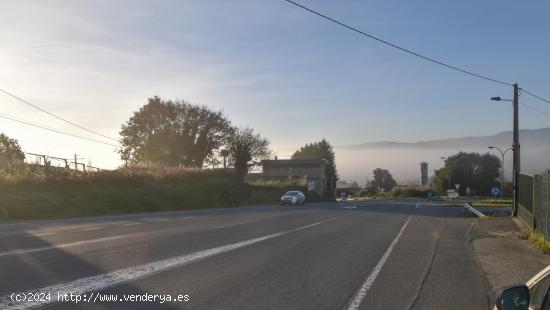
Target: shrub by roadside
{"points": [[38, 192], [401, 193]]}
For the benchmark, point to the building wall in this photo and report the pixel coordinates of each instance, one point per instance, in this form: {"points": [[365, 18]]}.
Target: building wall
{"points": [[295, 172], [313, 171]]}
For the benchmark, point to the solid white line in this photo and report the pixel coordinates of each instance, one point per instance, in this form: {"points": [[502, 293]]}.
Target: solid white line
{"points": [[97, 240], [157, 219], [44, 234], [131, 224], [439, 204], [94, 228], [349, 207], [103, 281], [382, 203], [369, 281], [65, 245]]}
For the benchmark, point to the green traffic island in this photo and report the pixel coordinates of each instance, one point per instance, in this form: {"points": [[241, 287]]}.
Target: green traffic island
{"points": [[494, 203]]}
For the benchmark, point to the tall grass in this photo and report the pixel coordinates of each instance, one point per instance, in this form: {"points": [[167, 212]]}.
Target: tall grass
{"points": [[31, 191]]}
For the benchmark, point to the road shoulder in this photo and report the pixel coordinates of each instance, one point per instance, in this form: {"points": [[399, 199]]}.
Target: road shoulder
{"points": [[504, 254]]}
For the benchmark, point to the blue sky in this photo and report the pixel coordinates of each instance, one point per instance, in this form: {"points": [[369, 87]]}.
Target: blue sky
{"points": [[290, 75]]}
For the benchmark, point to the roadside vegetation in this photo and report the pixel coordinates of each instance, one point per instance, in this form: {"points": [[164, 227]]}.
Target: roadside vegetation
{"points": [[476, 173], [37, 192], [539, 241], [492, 202], [173, 153]]}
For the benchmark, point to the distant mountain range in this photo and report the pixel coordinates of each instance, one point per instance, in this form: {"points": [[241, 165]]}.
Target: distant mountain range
{"points": [[527, 136], [356, 162]]}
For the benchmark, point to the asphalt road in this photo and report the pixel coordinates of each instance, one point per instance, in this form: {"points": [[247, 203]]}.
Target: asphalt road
{"points": [[371, 255]]}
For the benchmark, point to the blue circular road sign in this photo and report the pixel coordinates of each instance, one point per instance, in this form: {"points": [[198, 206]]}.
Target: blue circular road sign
{"points": [[495, 190]]}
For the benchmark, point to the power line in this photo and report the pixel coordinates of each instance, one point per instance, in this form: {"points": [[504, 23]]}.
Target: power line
{"points": [[535, 96], [58, 117], [414, 53], [397, 46], [54, 130], [535, 109]]}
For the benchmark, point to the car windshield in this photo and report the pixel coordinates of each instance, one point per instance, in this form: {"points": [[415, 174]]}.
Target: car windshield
{"points": [[293, 193]]}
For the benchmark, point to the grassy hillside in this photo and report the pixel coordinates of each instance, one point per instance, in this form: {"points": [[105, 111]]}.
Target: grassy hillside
{"points": [[31, 192]]}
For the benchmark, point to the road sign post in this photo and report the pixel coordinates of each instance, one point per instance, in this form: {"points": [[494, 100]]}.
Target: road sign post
{"points": [[495, 191]]}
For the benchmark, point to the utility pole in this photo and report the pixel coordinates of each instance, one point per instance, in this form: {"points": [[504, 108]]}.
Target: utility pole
{"points": [[516, 150], [515, 147], [75, 162]]}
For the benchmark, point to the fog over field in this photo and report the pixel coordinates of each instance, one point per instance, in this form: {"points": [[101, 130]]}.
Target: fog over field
{"points": [[356, 162]]}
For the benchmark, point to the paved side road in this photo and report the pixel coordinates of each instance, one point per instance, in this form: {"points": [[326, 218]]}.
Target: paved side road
{"points": [[367, 255]]}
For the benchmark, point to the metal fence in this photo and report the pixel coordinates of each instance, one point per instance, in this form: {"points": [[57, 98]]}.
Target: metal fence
{"points": [[534, 201]]}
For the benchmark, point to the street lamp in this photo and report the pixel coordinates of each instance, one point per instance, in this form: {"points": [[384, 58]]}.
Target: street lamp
{"points": [[515, 146], [501, 167], [500, 99], [449, 169]]}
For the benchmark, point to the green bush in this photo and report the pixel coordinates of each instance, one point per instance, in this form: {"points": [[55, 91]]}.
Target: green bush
{"points": [[402, 192], [409, 192], [31, 191]]}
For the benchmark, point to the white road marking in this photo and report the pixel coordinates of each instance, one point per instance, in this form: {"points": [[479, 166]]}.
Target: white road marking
{"points": [[139, 216], [65, 245], [157, 220], [369, 281], [43, 234], [131, 224], [103, 239], [94, 228], [440, 204], [349, 207], [102, 281], [382, 202]]}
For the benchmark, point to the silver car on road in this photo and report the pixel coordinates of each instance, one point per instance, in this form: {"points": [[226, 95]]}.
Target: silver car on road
{"points": [[293, 198]]}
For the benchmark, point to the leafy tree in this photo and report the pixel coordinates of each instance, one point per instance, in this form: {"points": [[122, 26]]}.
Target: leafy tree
{"points": [[174, 133], [321, 150], [246, 149], [473, 170], [382, 179], [10, 150]]}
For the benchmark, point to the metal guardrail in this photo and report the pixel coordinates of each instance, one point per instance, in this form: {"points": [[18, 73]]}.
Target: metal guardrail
{"points": [[474, 210]]}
